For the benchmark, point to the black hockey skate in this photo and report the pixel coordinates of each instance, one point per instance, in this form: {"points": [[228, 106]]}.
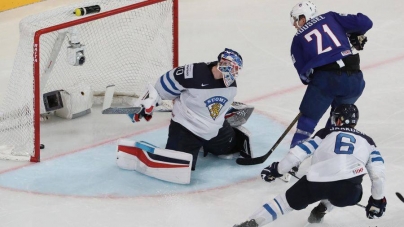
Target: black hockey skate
{"points": [[317, 214], [249, 223]]}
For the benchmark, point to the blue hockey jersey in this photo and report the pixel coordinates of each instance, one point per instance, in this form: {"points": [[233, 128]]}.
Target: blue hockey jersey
{"points": [[323, 40]]}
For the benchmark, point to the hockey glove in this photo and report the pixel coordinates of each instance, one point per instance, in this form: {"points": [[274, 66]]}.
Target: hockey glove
{"points": [[358, 41], [142, 114], [375, 208], [148, 101], [270, 173]]}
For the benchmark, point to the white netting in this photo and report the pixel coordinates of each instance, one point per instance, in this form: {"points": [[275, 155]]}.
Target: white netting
{"points": [[126, 49]]}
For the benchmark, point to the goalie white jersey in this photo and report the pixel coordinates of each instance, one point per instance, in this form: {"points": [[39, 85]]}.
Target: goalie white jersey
{"points": [[339, 153], [200, 100]]}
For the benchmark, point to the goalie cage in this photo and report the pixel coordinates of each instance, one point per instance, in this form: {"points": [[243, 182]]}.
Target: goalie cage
{"points": [[128, 43]]}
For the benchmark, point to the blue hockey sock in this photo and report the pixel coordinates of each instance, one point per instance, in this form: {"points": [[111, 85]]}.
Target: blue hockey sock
{"points": [[305, 127]]}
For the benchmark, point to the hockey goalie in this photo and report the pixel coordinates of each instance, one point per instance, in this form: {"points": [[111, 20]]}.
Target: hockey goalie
{"points": [[204, 117]]}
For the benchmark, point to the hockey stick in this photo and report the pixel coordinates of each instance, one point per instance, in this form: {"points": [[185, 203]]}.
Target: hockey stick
{"points": [[261, 159], [358, 204], [107, 109], [400, 196]]}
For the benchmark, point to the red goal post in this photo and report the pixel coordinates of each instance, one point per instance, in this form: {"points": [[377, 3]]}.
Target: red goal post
{"points": [[125, 44]]}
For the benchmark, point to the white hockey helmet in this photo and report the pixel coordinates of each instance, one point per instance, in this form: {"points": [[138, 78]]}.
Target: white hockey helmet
{"points": [[306, 8]]}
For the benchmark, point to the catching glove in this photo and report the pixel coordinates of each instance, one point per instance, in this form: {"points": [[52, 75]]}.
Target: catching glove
{"points": [[357, 41], [270, 173], [375, 208]]}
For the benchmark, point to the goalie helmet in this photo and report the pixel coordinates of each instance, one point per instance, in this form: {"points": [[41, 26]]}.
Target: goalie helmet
{"points": [[347, 113], [229, 63], [306, 8]]}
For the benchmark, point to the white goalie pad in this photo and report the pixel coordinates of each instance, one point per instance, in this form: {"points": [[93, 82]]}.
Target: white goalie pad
{"points": [[77, 101], [168, 165]]}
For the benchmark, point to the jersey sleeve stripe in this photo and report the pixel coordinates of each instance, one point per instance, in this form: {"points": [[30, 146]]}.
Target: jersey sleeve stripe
{"points": [[305, 148], [171, 81], [163, 84], [313, 143]]}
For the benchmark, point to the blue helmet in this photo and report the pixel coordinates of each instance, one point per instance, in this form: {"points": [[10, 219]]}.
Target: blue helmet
{"points": [[347, 113], [229, 63]]}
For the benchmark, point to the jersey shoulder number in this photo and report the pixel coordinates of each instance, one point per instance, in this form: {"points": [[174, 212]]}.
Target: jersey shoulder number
{"points": [[184, 72]]}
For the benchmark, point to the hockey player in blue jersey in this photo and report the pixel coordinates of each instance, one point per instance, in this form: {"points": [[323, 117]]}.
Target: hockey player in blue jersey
{"points": [[203, 94], [325, 62], [341, 156]]}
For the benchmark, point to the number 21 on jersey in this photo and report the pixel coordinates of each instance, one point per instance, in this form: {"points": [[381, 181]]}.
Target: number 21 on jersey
{"points": [[319, 38]]}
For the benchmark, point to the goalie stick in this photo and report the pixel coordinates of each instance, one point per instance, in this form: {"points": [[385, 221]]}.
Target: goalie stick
{"points": [[107, 109], [261, 159]]}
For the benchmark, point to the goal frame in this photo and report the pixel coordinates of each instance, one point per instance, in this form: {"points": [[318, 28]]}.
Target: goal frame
{"points": [[36, 53]]}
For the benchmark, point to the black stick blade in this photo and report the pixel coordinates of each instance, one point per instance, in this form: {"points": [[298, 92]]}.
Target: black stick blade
{"points": [[400, 196], [250, 161]]}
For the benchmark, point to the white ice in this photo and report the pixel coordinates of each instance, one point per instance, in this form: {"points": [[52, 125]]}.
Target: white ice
{"points": [[78, 184]]}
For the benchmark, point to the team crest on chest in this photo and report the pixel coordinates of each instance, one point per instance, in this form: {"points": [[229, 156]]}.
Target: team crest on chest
{"points": [[214, 105]]}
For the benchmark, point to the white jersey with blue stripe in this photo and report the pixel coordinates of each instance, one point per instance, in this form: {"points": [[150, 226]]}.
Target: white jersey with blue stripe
{"points": [[200, 100], [339, 153]]}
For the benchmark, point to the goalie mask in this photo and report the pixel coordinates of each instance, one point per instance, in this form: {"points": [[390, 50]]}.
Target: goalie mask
{"points": [[347, 113], [307, 8], [229, 64]]}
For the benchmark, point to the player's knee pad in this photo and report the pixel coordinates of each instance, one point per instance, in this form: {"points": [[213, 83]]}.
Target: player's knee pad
{"points": [[243, 144]]}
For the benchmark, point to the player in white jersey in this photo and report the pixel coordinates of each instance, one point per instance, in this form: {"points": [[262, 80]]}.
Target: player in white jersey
{"points": [[202, 94], [341, 156]]}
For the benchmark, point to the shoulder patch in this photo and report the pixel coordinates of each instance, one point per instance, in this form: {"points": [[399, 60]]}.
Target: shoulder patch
{"points": [[189, 71]]}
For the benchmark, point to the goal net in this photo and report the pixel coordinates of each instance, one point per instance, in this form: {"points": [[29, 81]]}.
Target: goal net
{"points": [[127, 44]]}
